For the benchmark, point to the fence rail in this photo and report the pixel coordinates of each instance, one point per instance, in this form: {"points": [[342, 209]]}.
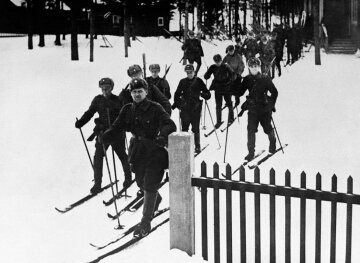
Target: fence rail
{"points": [[204, 182]]}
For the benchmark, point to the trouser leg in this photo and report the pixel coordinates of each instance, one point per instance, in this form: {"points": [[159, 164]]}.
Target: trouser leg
{"points": [[229, 105], [218, 102]]}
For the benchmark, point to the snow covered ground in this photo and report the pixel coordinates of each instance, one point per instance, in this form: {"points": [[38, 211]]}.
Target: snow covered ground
{"points": [[43, 162]]}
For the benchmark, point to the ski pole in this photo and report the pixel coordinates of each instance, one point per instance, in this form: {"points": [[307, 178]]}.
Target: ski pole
{"points": [[87, 150], [112, 187], [213, 124], [277, 135], [226, 138], [113, 156], [204, 122]]}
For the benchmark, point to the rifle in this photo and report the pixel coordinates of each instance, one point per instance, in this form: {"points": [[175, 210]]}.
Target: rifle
{"points": [[166, 71], [167, 31], [144, 64]]}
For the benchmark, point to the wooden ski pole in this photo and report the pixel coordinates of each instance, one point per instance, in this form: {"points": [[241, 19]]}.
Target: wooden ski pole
{"points": [[87, 150], [112, 188], [277, 135], [213, 124], [113, 156]]}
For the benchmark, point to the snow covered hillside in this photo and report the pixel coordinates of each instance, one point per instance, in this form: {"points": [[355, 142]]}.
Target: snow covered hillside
{"points": [[43, 162]]}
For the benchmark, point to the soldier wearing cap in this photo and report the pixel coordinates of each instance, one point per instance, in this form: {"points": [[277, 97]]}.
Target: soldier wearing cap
{"points": [[187, 100], [193, 50], [150, 126], [108, 107], [259, 105], [223, 76], [236, 63], [161, 83], [154, 94]]}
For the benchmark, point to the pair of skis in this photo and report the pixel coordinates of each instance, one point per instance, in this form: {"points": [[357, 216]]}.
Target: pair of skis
{"points": [[129, 243], [129, 230], [251, 164], [83, 200], [118, 196], [134, 205]]}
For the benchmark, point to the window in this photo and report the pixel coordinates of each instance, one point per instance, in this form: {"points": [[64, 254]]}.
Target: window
{"points": [[160, 21]]}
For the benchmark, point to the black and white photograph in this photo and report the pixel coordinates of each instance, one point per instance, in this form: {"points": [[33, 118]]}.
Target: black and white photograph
{"points": [[179, 131]]}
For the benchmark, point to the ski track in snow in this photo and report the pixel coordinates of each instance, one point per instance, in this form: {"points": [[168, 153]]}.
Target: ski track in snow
{"points": [[44, 163]]}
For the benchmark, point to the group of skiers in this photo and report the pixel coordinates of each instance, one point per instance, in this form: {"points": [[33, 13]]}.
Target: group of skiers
{"points": [[143, 108]]}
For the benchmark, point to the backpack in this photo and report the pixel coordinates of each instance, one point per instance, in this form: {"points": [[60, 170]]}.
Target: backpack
{"points": [[223, 74]]}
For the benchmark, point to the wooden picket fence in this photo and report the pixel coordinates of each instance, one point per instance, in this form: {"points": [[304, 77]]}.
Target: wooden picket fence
{"points": [[272, 190]]}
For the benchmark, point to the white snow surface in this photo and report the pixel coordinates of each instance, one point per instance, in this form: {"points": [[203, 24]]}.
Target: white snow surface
{"points": [[44, 163]]}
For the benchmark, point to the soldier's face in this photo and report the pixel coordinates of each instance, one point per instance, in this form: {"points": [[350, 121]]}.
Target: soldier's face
{"points": [[138, 95], [190, 74], [254, 69], [137, 75], [106, 90], [154, 73]]}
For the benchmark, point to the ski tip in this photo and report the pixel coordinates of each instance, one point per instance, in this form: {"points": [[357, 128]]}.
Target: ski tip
{"points": [[59, 210], [110, 216]]}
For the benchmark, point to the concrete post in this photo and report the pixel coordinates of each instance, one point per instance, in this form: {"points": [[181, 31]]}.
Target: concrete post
{"points": [[182, 204]]}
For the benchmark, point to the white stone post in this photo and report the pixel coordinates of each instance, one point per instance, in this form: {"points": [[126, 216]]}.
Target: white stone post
{"points": [[182, 202]]}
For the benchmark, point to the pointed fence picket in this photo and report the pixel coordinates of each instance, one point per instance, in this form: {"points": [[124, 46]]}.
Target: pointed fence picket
{"points": [[204, 182]]}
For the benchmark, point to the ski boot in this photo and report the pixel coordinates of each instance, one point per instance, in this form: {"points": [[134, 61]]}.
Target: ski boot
{"points": [[142, 229], [272, 140], [217, 125], [249, 157], [140, 192], [127, 182], [95, 189]]}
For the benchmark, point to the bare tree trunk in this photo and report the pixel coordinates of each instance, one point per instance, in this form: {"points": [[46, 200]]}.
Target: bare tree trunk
{"points": [[74, 32], [30, 17], [199, 11], [315, 9], [186, 29], [57, 11], [40, 6], [230, 22], [236, 29], [267, 15], [91, 18], [245, 14], [126, 32]]}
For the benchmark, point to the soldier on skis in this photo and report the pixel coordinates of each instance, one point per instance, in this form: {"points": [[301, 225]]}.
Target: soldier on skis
{"points": [[161, 83], [236, 63], [193, 50], [259, 105], [108, 107], [150, 126], [187, 100], [153, 92], [223, 76]]}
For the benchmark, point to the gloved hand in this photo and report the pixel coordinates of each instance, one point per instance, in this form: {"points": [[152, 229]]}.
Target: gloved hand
{"points": [[205, 95], [173, 107], [273, 108], [108, 136], [237, 101], [160, 140], [78, 124]]}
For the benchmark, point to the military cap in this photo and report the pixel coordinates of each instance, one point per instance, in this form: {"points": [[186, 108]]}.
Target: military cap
{"points": [[134, 69], [106, 81]]}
